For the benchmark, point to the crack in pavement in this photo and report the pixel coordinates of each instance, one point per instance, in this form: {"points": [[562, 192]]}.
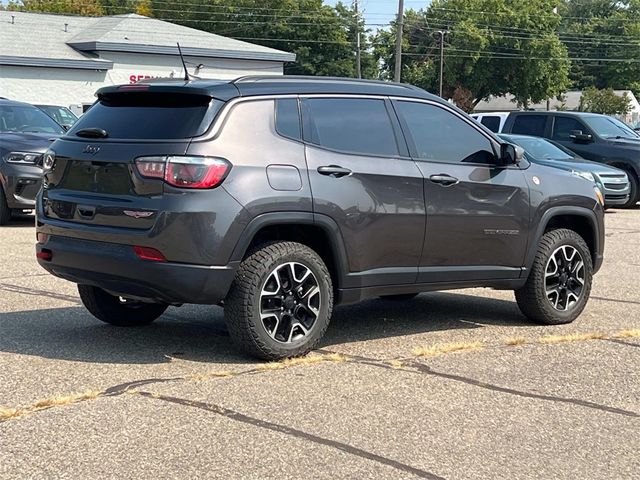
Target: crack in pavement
{"points": [[284, 429], [422, 368], [38, 292], [617, 300], [622, 342]]}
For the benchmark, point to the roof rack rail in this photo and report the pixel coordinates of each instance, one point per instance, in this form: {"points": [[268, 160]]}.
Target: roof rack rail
{"points": [[310, 78]]}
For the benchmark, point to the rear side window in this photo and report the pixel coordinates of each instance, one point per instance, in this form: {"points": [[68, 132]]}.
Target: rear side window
{"points": [[355, 125], [288, 118], [562, 127], [492, 123], [530, 125], [150, 115]]}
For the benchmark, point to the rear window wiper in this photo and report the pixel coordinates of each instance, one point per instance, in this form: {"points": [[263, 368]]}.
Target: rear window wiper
{"points": [[92, 133]]}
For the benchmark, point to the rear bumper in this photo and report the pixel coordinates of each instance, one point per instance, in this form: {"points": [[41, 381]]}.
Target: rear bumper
{"points": [[117, 269]]}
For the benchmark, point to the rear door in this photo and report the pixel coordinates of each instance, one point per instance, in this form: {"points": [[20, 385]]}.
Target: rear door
{"points": [[477, 212], [362, 178]]}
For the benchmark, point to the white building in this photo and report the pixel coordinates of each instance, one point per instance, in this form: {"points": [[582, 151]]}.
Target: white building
{"points": [[569, 101], [63, 60]]}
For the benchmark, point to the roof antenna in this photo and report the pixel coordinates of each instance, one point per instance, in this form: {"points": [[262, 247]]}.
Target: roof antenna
{"points": [[184, 65]]}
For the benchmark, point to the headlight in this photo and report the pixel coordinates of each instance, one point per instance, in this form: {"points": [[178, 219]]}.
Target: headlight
{"points": [[22, 157], [599, 195], [586, 175]]}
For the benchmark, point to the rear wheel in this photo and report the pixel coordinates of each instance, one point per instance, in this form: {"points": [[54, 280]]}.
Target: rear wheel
{"points": [[118, 310], [5, 211], [280, 302], [559, 283], [634, 192]]}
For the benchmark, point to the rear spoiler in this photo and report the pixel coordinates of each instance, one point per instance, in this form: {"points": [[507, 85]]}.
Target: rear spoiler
{"points": [[221, 91]]}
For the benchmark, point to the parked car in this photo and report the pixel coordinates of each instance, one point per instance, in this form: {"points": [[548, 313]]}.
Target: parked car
{"points": [[62, 115], [494, 121], [25, 134], [599, 138], [612, 181], [284, 196]]}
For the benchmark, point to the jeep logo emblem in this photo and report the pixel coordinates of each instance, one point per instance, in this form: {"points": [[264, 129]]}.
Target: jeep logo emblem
{"points": [[92, 149]]}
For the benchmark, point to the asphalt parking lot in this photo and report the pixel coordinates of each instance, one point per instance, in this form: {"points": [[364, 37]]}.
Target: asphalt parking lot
{"points": [[449, 385]]}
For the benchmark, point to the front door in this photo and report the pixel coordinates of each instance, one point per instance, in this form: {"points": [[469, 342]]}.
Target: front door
{"points": [[477, 211], [360, 178]]}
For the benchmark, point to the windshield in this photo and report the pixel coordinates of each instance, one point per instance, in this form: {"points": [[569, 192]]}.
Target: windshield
{"points": [[608, 127], [26, 119], [540, 149]]}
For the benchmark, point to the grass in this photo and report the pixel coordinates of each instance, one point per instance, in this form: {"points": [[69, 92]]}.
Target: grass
{"points": [[57, 401], [628, 333], [395, 363], [296, 361], [573, 337], [515, 341], [443, 348], [210, 375]]}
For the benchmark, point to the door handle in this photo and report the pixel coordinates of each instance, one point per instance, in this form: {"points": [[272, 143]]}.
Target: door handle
{"points": [[444, 179], [335, 171]]}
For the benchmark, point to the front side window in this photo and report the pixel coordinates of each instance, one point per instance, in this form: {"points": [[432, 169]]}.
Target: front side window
{"points": [[530, 125], [355, 125], [440, 135], [562, 127]]}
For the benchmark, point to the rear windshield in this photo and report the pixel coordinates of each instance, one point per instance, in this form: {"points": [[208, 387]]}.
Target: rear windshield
{"points": [[145, 115]]}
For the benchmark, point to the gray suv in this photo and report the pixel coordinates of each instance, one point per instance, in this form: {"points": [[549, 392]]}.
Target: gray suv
{"points": [[280, 197]]}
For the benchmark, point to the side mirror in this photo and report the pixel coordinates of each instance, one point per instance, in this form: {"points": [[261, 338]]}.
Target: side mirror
{"points": [[510, 154], [579, 137]]}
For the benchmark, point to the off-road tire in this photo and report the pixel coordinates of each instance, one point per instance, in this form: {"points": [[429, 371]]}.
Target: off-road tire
{"points": [[242, 304], [109, 309], [5, 211], [532, 298], [634, 191], [400, 297]]}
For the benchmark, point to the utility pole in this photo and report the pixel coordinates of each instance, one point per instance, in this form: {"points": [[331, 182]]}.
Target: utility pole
{"points": [[399, 23], [358, 59], [442, 33]]}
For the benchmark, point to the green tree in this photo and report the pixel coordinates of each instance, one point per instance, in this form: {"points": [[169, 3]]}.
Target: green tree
{"points": [[603, 38], [604, 101], [487, 51], [72, 7], [322, 37]]}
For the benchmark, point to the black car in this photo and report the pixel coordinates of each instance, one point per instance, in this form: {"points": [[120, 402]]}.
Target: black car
{"points": [[62, 115], [25, 134], [282, 197], [596, 137]]}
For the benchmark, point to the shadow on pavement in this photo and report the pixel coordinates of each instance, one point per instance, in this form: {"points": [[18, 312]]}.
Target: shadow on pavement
{"points": [[21, 220], [198, 333]]}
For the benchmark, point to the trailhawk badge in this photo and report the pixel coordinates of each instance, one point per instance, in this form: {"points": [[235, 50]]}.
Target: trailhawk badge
{"points": [[137, 213]]}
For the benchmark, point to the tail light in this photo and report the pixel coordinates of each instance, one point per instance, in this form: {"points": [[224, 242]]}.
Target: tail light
{"points": [[185, 172]]}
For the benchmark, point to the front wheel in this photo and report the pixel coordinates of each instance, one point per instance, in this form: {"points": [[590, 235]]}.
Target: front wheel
{"points": [[634, 192], [280, 302], [117, 310], [560, 279]]}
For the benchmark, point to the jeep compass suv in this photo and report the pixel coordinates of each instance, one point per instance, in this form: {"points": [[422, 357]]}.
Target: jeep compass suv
{"points": [[280, 197]]}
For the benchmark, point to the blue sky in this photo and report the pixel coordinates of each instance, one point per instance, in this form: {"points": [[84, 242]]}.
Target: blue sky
{"points": [[382, 11]]}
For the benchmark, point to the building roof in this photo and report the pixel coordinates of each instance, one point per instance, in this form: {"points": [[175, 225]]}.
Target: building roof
{"points": [[35, 39], [570, 101]]}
